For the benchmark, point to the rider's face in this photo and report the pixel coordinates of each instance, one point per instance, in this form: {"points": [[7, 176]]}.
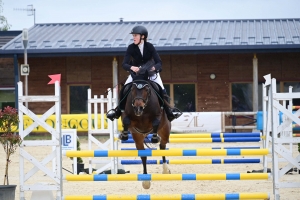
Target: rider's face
{"points": [[136, 38]]}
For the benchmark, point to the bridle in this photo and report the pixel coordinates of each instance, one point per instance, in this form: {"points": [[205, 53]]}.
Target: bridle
{"points": [[140, 86]]}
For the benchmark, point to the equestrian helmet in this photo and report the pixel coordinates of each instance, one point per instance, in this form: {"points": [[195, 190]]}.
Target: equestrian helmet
{"points": [[140, 30]]}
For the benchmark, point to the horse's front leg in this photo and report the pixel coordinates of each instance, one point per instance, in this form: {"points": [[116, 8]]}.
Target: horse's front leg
{"points": [[126, 122], [139, 143], [166, 170], [155, 137]]}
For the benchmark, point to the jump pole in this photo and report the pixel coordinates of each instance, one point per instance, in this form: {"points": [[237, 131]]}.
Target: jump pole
{"points": [[227, 196], [197, 161], [206, 140], [168, 177], [180, 152], [237, 147], [210, 135]]}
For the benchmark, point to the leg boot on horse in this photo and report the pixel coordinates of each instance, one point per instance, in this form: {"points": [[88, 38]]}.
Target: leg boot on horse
{"points": [[124, 135], [155, 137]]}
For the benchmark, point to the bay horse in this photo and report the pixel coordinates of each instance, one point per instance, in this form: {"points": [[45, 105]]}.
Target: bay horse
{"points": [[143, 114]]}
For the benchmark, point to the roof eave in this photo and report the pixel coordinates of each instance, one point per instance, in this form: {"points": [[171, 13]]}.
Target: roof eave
{"points": [[162, 50]]}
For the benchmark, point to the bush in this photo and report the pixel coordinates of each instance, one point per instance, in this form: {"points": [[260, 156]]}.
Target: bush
{"points": [[10, 141], [79, 159]]}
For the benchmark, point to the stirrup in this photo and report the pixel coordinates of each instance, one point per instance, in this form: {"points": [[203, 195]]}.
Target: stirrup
{"points": [[178, 112]]}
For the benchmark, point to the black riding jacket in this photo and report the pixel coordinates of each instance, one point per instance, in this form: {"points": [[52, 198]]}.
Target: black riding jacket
{"points": [[133, 56]]}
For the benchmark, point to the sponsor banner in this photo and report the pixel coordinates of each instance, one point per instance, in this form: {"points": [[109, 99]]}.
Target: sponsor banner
{"points": [[68, 121], [189, 122], [68, 139], [198, 122]]}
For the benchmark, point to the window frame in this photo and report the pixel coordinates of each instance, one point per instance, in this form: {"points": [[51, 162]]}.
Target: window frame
{"points": [[68, 94], [10, 89], [230, 95], [182, 83], [282, 90]]}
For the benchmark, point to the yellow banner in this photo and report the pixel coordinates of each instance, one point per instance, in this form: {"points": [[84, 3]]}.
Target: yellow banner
{"points": [[76, 121]]}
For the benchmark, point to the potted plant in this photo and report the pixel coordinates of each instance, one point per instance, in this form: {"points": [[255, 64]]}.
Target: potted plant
{"points": [[9, 119], [80, 164]]}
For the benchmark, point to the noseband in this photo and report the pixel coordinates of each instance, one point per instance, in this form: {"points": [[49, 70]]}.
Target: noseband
{"points": [[140, 86]]}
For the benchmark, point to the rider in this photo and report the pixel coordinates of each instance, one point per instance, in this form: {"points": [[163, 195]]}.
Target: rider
{"points": [[138, 53]]}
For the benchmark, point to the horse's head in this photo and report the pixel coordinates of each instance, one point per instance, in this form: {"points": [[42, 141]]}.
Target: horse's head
{"points": [[140, 92]]}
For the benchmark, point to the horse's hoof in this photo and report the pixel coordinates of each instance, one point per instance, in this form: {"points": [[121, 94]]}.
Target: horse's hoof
{"points": [[123, 137], [146, 184], [166, 170]]}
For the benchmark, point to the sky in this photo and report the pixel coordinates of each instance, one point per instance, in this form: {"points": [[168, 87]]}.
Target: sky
{"points": [[66, 11]]}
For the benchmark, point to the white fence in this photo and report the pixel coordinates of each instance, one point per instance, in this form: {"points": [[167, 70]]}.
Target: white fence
{"points": [[54, 155], [281, 134], [94, 130]]}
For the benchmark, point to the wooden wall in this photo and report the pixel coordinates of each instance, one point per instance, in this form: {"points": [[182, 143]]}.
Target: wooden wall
{"points": [[212, 95], [7, 72]]}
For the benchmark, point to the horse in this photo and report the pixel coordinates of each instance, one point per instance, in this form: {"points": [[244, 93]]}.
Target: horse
{"points": [[143, 114]]}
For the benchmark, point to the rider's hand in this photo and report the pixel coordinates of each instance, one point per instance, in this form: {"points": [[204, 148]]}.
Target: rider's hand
{"points": [[135, 69], [152, 69]]}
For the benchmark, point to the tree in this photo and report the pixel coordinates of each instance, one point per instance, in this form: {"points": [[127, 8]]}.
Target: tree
{"points": [[4, 26]]}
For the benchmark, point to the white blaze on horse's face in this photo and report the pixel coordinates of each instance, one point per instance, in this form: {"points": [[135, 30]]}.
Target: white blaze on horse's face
{"points": [[140, 94]]}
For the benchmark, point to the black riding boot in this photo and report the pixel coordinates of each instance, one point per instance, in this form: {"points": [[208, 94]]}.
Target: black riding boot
{"points": [[169, 113], [114, 113], [168, 109]]}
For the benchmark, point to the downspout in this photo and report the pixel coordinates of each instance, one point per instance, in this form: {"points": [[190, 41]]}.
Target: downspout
{"points": [[17, 79], [255, 84], [115, 75]]}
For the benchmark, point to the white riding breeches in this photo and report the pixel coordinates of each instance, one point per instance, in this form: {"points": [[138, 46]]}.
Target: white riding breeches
{"points": [[156, 78]]}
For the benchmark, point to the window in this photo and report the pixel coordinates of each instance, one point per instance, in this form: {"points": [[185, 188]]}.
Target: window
{"points": [[183, 96], [296, 88], [78, 99], [241, 94], [7, 97], [242, 97]]}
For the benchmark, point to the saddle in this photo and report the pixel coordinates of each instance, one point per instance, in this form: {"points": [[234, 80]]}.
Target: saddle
{"points": [[127, 88]]}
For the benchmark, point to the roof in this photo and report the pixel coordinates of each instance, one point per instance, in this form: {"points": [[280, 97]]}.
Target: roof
{"points": [[6, 36], [193, 36]]}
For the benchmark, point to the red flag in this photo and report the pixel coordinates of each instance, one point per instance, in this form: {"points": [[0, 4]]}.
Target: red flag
{"points": [[54, 77]]}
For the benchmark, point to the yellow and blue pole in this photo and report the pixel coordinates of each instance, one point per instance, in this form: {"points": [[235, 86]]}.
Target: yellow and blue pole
{"points": [[227, 196], [168, 177], [174, 152]]}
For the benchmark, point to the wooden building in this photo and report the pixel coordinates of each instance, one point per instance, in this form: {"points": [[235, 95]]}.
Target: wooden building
{"points": [[208, 65]]}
